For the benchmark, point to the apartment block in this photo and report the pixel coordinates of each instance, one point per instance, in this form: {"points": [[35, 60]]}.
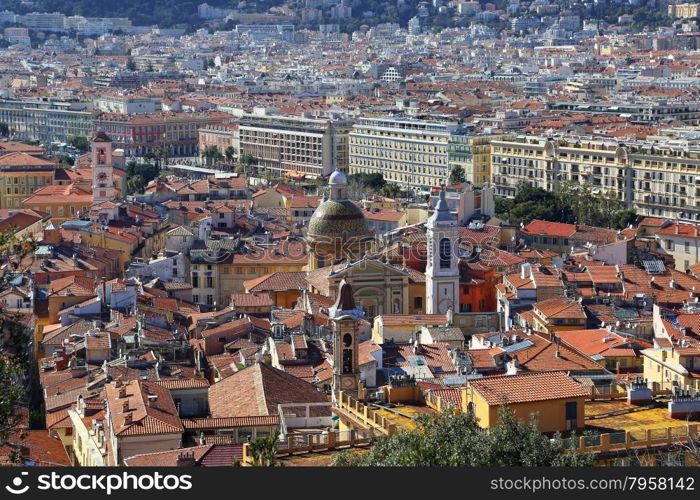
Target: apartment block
{"points": [[411, 153], [683, 11], [659, 179], [139, 134], [473, 154], [282, 144], [46, 120], [642, 112], [22, 174], [221, 136]]}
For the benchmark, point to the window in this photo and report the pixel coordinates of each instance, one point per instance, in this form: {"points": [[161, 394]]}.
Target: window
{"points": [[210, 300], [417, 302], [210, 282], [669, 245], [571, 415], [445, 251], [195, 299], [687, 247], [195, 281]]}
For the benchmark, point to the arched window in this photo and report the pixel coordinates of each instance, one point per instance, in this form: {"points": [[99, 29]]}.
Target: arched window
{"points": [[445, 251]]}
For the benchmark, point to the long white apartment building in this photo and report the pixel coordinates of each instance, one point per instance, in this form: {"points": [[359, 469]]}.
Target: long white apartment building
{"points": [[279, 143], [409, 152]]}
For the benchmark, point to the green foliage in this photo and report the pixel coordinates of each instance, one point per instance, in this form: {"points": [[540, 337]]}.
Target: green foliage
{"points": [[247, 160], [230, 153], [449, 440], [138, 175], [263, 451], [623, 218], [372, 181], [130, 64], [79, 143], [212, 154], [14, 341], [457, 175], [570, 203], [65, 161]]}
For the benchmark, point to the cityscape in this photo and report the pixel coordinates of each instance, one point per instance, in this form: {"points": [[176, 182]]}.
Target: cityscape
{"points": [[343, 233]]}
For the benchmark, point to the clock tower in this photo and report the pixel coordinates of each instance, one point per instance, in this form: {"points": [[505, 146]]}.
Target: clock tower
{"points": [[102, 170], [442, 269], [345, 317]]}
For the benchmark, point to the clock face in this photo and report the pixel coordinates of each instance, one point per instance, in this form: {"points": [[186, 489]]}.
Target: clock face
{"points": [[102, 176]]}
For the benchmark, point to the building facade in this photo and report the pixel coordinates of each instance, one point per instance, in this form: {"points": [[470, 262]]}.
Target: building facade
{"points": [[139, 134], [411, 153], [46, 120], [295, 144]]}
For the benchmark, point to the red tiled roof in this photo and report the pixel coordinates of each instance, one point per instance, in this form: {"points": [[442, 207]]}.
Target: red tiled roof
{"points": [[550, 228], [527, 387], [257, 390]]}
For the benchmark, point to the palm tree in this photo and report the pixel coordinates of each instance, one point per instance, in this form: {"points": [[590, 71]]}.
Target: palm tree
{"points": [[212, 154], [230, 154]]}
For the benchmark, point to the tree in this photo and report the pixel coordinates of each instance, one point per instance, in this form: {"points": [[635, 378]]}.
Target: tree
{"points": [[65, 161], [80, 143], [263, 451], [15, 342], [230, 154], [130, 64], [391, 190], [138, 175], [247, 160], [623, 218], [457, 175], [212, 154], [454, 440], [160, 155]]}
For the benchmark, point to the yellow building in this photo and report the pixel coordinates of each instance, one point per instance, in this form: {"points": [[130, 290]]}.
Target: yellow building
{"points": [[473, 154], [20, 175], [672, 367], [215, 276], [61, 202], [683, 11], [553, 315], [556, 400], [112, 238]]}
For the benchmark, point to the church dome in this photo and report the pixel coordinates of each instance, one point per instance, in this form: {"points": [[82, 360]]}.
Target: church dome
{"points": [[338, 219], [338, 178]]}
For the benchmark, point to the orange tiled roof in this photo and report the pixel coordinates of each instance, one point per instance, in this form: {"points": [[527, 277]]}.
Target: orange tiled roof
{"points": [[527, 387]]}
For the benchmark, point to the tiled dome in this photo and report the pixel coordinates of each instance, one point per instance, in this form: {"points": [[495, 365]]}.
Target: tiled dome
{"points": [[338, 219]]}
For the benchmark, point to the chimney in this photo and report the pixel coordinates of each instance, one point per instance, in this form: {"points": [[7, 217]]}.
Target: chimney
{"points": [[128, 419], [676, 228], [186, 459], [125, 407], [122, 392]]}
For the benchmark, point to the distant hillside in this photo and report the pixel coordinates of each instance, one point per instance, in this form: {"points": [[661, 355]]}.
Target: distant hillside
{"points": [[164, 13]]}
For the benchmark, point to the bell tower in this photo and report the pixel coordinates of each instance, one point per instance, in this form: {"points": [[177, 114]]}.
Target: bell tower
{"points": [[345, 317], [102, 170], [442, 269]]}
